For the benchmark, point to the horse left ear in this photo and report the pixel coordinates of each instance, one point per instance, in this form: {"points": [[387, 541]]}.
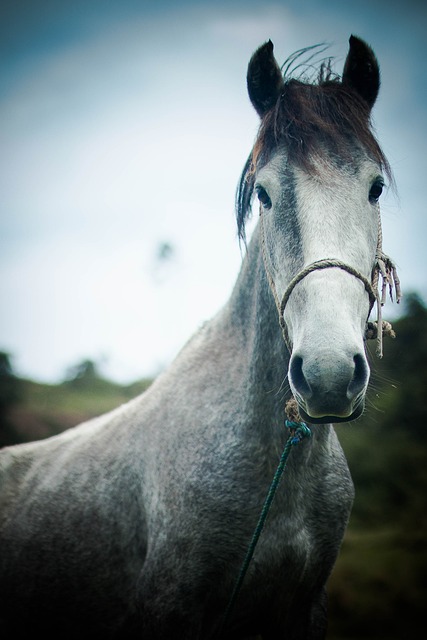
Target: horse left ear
{"points": [[264, 78], [361, 70]]}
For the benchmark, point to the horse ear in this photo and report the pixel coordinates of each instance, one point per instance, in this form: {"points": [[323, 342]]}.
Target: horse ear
{"points": [[264, 78], [361, 70]]}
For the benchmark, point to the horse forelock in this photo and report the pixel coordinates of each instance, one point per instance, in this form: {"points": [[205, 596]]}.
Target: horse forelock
{"points": [[310, 119]]}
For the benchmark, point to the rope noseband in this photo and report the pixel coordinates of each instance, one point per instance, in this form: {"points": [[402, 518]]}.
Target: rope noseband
{"points": [[383, 267]]}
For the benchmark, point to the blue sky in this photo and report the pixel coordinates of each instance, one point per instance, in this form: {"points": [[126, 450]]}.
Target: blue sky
{"points": [[124, 125]]}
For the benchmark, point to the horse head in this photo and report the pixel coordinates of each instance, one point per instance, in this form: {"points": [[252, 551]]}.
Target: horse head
{"points": [[318, 172]]}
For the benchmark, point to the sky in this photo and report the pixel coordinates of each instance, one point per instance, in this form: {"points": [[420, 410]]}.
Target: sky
{"points": [[124, 127]]}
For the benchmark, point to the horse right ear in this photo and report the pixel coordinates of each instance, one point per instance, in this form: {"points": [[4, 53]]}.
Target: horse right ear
{"points": [[264, 78], [361, 70]]}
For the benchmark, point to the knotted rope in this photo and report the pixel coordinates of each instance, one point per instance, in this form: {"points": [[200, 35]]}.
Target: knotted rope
{"points": [[384, 267], [298, 431]]}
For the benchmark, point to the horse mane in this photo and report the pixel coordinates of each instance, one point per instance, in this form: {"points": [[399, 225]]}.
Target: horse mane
{"points": [[310, 117]]}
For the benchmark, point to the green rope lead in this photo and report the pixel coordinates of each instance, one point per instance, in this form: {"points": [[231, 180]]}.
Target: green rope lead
{"points": [[299, 431]]}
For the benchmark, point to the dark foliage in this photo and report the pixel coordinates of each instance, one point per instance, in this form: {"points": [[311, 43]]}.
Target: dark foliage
{"points": [[378, 588]]}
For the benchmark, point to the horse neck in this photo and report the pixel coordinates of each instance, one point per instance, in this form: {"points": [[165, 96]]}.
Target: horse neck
{"points": [[254, 318]]}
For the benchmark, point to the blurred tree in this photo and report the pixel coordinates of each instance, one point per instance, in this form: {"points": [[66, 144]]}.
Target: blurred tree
{"points": [[164, 262], [165, 251], [83, 374], [10, 387], [403, 403], [11, 393]]}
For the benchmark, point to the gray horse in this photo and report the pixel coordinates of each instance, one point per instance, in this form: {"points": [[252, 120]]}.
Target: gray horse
{"points": [[135, 524]]}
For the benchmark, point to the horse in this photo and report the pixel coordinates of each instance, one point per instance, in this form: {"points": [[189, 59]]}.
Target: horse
{"points": [[134, 524]]}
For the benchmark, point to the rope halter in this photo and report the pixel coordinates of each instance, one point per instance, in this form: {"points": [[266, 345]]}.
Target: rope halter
{"points": [[384, 268]]}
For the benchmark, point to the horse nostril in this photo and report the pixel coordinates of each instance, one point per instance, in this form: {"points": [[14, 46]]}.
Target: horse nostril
{"points": [[360, 376], [297, 377]]}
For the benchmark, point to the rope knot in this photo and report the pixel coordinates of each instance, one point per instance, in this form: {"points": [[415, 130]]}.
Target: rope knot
{"points": [[385, 267], [292, 411], [299, 430], [372, 330]]}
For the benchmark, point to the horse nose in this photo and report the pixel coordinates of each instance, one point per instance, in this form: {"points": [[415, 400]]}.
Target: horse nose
{"points": [[360, 378], [329, 387]]}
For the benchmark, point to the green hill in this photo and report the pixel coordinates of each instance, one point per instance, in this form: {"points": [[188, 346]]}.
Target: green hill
{"points": [[37, 410]]}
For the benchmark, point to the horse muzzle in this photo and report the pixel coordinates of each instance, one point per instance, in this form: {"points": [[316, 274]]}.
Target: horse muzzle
{"points": [[329, 388]]}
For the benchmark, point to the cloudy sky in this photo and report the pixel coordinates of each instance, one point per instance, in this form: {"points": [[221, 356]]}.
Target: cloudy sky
{"points": [[123, 130]]}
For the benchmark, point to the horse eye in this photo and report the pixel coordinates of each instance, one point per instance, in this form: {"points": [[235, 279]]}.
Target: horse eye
{"points": [[375, 191], [263, 197]]}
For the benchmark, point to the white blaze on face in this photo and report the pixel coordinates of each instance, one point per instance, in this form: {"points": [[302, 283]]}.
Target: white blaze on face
{"points": [[336, 220], [330, 217]]}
